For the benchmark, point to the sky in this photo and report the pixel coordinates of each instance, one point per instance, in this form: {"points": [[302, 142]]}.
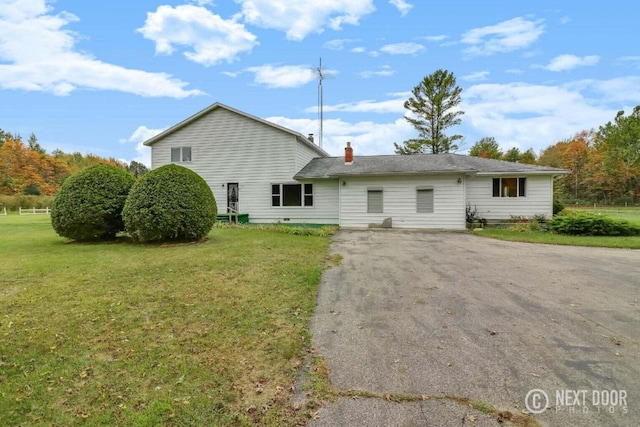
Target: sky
{"points": [[102, 77]]}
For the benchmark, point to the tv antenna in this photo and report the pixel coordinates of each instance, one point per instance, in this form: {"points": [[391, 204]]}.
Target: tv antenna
{"points": [[320, 74]]}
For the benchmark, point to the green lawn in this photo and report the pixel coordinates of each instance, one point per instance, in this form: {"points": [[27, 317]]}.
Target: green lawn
{"points": [[176, 335], [559, 239], [631, 214]]}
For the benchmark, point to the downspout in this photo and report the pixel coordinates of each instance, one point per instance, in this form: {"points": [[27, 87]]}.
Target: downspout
{"points": [[339, 201]]}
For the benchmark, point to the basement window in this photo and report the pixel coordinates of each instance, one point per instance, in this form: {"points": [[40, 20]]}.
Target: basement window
{"points": [[509, 187], [180, 154], [286, 195]]}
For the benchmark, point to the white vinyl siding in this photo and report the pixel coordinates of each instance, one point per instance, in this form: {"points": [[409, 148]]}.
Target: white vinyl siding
{"points": [[399, 201], [424, 200], [538, 200], [375, 201], [229, 147]]}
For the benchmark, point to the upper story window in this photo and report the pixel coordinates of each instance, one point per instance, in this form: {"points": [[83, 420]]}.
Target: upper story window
{"points": [[180, 154], [292, 195], [509, 187]]}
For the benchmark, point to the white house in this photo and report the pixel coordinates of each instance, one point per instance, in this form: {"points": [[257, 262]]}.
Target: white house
{"points": [[276, 174]]}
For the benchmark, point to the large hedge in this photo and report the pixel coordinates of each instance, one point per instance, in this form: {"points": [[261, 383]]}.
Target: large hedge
{"points": [[586, 224], [170, 203], [89, 203]]}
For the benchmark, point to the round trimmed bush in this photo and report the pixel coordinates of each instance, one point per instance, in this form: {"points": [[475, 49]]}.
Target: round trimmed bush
{"points": [[89, 203], [170, 203]]}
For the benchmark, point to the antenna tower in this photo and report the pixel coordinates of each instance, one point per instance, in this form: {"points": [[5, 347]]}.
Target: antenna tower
{"points": [[320, 74]]}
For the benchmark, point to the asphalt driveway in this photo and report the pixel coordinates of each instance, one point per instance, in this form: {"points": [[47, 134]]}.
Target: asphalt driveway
{"points": [[451, 314]]}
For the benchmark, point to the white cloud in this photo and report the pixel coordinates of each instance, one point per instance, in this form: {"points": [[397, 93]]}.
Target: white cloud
{"points": [[395, 105], [366, 137], [211, 38], [517, 114], [232, 74], [402, 6], [633, 60], [286, 76], [358, 49], [477, 76], [38, 54], [437, 38], [139, 136], [299, 18], [513, 71], [568, 62], [507, 36], [402, 48], [338, 44], [565, 20], [385, 71], [535, 115]]}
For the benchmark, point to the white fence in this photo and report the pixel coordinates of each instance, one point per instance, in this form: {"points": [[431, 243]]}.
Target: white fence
{"points": [[3, 212], [34, 211]]}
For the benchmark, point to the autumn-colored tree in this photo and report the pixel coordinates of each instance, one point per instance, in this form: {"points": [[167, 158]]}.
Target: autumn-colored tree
{"points": [[616, 158], [573, 155]]}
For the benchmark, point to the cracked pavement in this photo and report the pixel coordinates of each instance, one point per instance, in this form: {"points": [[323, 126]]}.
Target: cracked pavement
{"points": [[436, 313]]}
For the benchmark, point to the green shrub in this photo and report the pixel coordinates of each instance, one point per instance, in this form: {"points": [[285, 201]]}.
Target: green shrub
{"points": [[32, 190], [89, 203], [170, 203], [558, 206], [585, 224]]}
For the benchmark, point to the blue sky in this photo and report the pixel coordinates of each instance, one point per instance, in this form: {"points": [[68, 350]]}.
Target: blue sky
{"points": [[101, 77]]}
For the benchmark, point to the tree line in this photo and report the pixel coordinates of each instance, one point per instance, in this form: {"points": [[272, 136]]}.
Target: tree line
{"points": [[26, 168], [603, 164]]}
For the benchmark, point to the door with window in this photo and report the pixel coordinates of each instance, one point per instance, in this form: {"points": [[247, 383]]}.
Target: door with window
{"points": [[232, 197]]}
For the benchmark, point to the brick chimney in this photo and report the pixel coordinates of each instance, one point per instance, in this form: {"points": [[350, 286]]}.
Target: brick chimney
{"points": [[310, 137], [348, 154]]}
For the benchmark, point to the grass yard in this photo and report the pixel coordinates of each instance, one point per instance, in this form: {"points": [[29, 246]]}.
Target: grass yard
{"points": [[627, 242], [176, 335]]}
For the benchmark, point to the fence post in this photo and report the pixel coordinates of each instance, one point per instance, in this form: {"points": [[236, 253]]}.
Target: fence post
{"points": [[20, 211]]}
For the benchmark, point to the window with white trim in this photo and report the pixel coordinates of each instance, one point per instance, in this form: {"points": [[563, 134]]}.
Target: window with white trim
{"points": [[180, 154], [374, 200], [509, 187], [424, 200], [285, 195]]}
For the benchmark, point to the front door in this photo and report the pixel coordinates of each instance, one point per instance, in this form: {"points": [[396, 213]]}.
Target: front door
{"points": [[232, 197]]}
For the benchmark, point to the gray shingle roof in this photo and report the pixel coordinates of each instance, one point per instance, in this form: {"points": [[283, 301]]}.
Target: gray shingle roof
{"points": [[332, 167]]}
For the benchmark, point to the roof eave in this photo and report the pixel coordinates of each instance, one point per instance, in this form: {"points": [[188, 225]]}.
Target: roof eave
{"points": [[216, 105], [525, 172], [377, 174]]}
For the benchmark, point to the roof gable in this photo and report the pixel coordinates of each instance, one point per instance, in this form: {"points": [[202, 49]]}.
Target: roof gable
{"points": [[299, 137], [332, 167]]}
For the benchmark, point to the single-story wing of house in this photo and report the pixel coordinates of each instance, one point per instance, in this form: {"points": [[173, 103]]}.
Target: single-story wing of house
{"points": [[275, 174]]}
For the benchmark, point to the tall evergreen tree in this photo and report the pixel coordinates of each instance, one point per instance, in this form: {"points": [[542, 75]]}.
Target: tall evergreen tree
{"points": [[433, 109]]}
